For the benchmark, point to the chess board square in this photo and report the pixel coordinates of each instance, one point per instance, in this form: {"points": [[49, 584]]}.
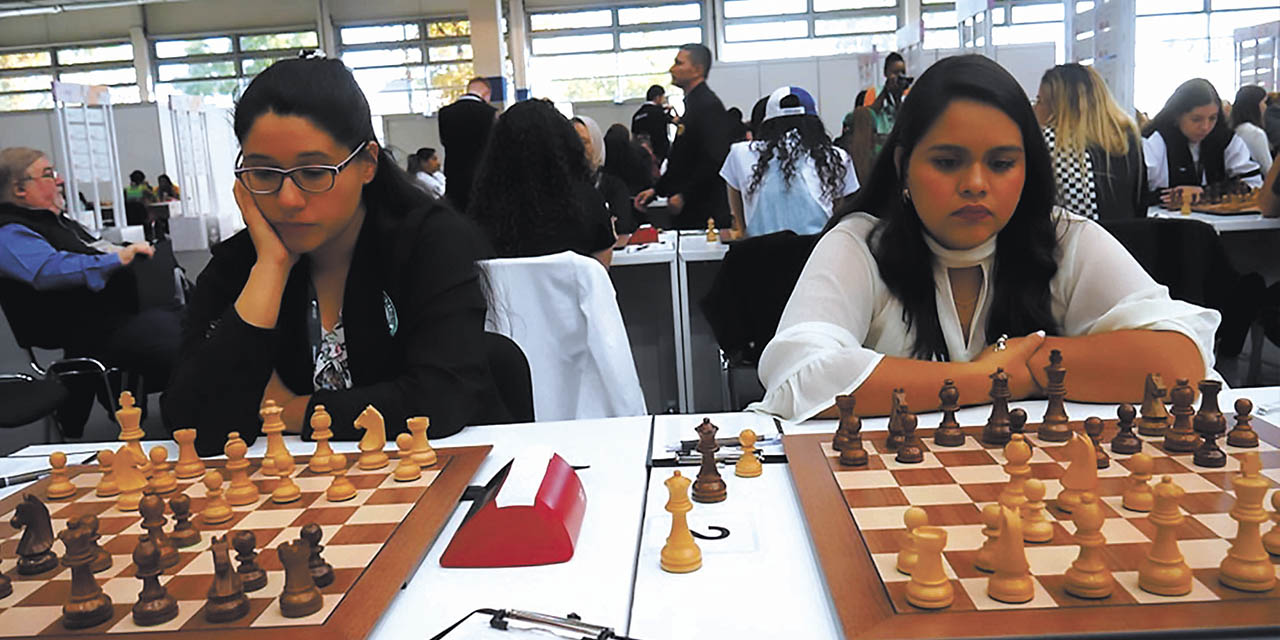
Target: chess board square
{"points": [[323, 515], [947, 515], [985, 492], [1056, 586], [87, 479], [1115, 530], [1191, 529], [395, 494], [272, 617], [930, 462], [351, 556], [1273, 474], [921, 476], [313, 484], [122, 589], [378, 513], [1263, 445], [892, 496], [342, 580], [1204, 554], [198, 622], [964, 537], [1117, 505], [959, 457], [304, 500], [1193, 483], [1221, 524], [186, 609], [64, 511], [327, 532], [970, 444], [193, 586], [879, 517], [883, 540], [921, 495], [1050, 560], [363, 533], [424, 480], [868, 479], [121, 565], [977, 474], [113, 524], [1114, 470], [976, 588], [1038, 455], [1209, 578], [1046, 470], [1128, 580], [887, 566], [268, 518], [28, 621]]}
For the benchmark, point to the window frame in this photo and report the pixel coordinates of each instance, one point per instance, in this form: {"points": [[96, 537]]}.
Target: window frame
{"points": [[423, 43], [810, 16], [238, 56], [55, 70]]}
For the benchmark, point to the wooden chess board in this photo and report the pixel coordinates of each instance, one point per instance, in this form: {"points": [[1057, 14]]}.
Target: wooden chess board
{"points": [[855, 517], [374, 542]]}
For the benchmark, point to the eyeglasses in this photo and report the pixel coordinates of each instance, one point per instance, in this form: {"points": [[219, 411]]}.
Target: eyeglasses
{"points": [[48, 173], [312, 178]]}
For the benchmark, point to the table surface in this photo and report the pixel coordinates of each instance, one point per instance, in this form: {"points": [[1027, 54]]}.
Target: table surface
{"points": [[1223, 224], [763, 580], [664, 250]]}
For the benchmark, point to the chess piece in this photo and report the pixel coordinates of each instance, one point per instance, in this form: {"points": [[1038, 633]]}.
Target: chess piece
{"points": [[996, 431], [852, 454], [1054, 428], [35, 549], [162, 480], [709, 486], [252, 576], [321, 571], [242, 490], [1184, 203], [712, 234], [1247, 566], [1093, 428], [1081, 474], [129, 478], [340, 488], [1180, 438], [1242, 434], [1125, 442], [1089, 576], [897, 409], [912, 450], [300, 597], [189, 464], [1208, 454], [842, 437], [59, 478], [1017, 452], [184, 533], [216, 509], [1164, 572], [1011, 582], [1036, 526], [374, 440], [273, 428], [748, 465], [1137, 494], [286, 490], [155, 605], [129, 417], [908, 553], [226, 601], [87, 605], [153, 520], [929, 587], [1018, 422], [423, 454], [1272, 538], [406, 470], [101, 559], [321, 433], [1207, 415], [107, 486], [680, 554], [948, 433], [991, 529], [1155, 417]]}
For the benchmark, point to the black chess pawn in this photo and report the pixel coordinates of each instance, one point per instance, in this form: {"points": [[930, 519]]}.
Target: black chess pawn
{"points": [[184, 533], [321, 571], [949, 433], [912, 450], [252, 576], [154, 605], [852, 454], [6, 586], [1125, 442], [1208, 454], [1180, 437], [152, 509], [1243, 435], [1017, 422], [1093, 428]]}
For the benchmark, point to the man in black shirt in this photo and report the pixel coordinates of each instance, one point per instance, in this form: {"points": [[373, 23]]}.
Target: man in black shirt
{"points": [[464, 132], [693, 168], [652, 119]]}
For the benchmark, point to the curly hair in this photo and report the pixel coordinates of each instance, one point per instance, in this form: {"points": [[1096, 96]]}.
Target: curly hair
{"points": [[791, 138], [526, 183]]}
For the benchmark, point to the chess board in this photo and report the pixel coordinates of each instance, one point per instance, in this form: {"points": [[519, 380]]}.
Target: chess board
{"points": [[854, 516], [374, 542]]}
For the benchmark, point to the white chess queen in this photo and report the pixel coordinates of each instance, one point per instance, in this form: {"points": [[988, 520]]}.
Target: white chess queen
{"points": [[953, 243]]}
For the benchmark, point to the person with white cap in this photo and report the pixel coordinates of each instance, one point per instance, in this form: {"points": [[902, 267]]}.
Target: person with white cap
{"points": [[792, 174]]}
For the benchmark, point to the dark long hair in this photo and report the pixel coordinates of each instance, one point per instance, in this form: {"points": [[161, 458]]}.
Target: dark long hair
{"points": [[1196, 92], [532, 171], [1025, 252], [1246, 108], [811, 141], [323, 91], [626, 160]]}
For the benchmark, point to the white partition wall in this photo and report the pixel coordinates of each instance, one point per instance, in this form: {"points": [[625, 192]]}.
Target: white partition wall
{"points": [[1101, 33], [86, 128], [1258, 56], [973, 21]]}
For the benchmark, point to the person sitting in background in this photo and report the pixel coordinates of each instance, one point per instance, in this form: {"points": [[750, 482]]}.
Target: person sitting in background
{"points": [[652, 119], [534, 194], [953, 261], [424, 165], [1096, 148], [1246, 122], [869, 126], [1271, 121], [757, 117], [626, 160], [617, 199], [166, 190], [792, 175], [1189, 145], [139, 190], [1269, 199], [738, 130]]}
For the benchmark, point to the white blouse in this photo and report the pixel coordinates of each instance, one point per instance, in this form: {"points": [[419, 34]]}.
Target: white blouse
{"points": [[1236, 159], [842, 320]]}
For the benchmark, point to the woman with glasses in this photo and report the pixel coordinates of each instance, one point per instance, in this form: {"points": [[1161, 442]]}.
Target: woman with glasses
{"points": [[350, 287]]}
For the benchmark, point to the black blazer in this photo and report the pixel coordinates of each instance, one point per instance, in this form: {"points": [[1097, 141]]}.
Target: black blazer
{"points": [[413, 317], [464, 133], [652, 120], [693, 168]]}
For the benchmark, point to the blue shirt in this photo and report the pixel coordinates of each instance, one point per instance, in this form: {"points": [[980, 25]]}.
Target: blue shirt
{"points": [[25, 255]]}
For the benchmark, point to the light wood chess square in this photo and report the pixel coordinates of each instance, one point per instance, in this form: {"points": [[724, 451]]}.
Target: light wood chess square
{"points": [[964, 537], [922, 495], [327, 531], [1190, 482], [1115, 530], [978, 474], [86, 479], [1117, 504], [21, 589], [272, 617], [887, 565], [1128, 580], [27, 621], [1050, 561], [380, 513], [869, 479], [977, 590], [879, 517], [1038, 454], [1221, 524], [186, 609], [268, 518], [1204, 554]]}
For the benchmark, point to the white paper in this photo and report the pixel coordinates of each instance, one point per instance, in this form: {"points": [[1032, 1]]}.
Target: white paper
{"points": [[525, 478]]}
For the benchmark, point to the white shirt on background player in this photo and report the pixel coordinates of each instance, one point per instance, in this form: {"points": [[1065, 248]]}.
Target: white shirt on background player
{"points": [[434, 182], [1256, 140], [842, 320], [1236, 160], [738, 168]]}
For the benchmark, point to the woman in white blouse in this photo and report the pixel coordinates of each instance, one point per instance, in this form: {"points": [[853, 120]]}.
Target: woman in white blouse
{"points": [[955, 243], [1246, 122], [1189, 145]]}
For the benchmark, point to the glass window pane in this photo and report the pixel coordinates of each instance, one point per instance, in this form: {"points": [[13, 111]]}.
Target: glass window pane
{"points": [[129, 94], [571, 20], [941, 39], [836, 5], [662, 13], [1082, 7], [649, 61], [807, 47], [870, 24], [221, 68], [25, 59], [107, 53], [269, 41], [1151, 7], [444, 76], [449, 29], [26, 101], [1224, 24], [219, 93], [181, 48], [572, 44], [1037, 12], [253, 66], [939, 20], [36, 82], [1029, 34], [382, 57], [118, 75], [663, 38], [745, 8], [575, 66], [584, 90], [1163, 43], [766, 30], [450, 52], [378, 33], [1241, 4]]}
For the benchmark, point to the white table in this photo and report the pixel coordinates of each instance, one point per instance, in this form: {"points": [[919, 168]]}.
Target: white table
{"points": [[646, 325], [703, 384], [1222, 224]]}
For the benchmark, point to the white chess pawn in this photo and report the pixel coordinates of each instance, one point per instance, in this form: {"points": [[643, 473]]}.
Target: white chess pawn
{"points": [[60, 481], [162, 480], [407, 470]]}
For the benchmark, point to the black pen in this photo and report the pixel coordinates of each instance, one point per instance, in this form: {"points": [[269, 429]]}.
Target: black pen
{"points": [[23, 478]]}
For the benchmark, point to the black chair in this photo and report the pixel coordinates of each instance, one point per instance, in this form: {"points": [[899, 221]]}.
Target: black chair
{"points": [[510, 371], [745, 304], [25, 399]]}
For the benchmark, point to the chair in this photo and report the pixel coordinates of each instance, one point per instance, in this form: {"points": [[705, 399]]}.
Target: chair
{"points": [[745, 304], [25, 399], [563, 313], [510, 371]]}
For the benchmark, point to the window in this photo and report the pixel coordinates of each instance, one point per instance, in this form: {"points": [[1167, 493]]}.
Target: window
{"points": [[26, 77], [766, 29], [409, 67], [610, 54], [220, 67]]}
